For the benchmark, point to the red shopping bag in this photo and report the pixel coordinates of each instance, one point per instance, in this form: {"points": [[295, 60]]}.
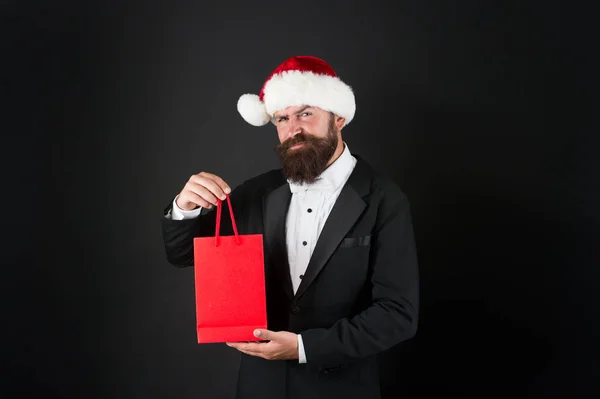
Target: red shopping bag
{"points": [[229, 284]]}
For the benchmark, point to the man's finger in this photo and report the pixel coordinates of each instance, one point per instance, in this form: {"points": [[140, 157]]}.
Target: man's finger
{"points": [[242, 348], [250, 346], [208, 184], [200, 195], [266, 335], [220, 182]]}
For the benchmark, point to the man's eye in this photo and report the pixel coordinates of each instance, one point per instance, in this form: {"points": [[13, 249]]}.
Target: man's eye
{"points": [[305, 113]]}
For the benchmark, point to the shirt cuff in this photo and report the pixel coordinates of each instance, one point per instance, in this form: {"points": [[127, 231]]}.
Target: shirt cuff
{"points": [[301, 354], [179, 214]]}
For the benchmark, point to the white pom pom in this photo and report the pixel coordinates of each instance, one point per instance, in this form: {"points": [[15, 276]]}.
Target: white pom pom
{"points": [[253, 110]]}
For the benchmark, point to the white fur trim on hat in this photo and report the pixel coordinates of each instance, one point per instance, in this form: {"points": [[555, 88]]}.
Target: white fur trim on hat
{"points": [[253, 110], [295, 88]]}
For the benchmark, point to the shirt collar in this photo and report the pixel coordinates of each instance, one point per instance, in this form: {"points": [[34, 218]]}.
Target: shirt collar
{"points": [[331, 178]]}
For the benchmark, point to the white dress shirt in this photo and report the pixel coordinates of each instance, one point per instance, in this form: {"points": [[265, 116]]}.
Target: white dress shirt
{"points": [[309, 208]]}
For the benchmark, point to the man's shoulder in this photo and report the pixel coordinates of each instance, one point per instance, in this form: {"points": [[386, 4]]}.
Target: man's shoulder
{"points": [[380, 184]]}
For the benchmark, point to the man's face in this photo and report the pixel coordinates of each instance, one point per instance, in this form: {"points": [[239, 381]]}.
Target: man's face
{"points": [[308, 139]]}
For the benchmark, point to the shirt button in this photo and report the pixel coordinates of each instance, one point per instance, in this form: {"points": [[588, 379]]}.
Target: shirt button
{"points": [[301, 276], [309, 210], [304, 243]]}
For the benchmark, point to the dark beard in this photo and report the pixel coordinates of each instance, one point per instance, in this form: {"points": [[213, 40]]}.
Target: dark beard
{"points": [[305, 164]]}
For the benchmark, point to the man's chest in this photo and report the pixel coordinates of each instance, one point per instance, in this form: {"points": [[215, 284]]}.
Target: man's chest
{"points": [[306, 215]]}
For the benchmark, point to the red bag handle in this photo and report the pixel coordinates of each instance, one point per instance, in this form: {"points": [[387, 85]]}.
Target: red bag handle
{"points": [[219, 207]]}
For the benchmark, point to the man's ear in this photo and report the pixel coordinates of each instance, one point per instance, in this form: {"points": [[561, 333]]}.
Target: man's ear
{"points": [[339, 122]]}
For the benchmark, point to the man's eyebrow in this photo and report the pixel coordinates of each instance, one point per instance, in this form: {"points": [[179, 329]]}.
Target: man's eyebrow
{"points": [[295, 113], [302, 110]]}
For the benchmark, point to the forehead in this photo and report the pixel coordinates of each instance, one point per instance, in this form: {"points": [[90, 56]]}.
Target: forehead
{"points": [[293, 109]]}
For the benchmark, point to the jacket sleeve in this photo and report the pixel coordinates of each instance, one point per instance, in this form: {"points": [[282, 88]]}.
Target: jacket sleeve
{"points": [[392, 316], [178, 235]]}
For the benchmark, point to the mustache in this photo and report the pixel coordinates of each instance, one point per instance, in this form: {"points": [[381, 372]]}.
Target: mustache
{"points": [[297, 139]]}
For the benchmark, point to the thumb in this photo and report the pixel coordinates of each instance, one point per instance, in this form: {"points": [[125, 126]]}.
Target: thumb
{"points": [[265, 334]]}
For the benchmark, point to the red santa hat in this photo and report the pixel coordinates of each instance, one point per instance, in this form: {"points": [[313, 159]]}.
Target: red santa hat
{"points": [[300, 80]]}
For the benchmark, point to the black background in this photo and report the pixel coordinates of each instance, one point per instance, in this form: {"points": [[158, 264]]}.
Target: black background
{"points": [[111, 106]]}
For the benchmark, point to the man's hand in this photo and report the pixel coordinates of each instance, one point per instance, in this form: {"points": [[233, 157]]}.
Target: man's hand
{"points": [[202, 190], [282, 345]]}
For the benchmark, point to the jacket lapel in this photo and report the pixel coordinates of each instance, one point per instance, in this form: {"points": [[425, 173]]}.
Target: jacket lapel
{"points": [[346, 211], [275, 208]]}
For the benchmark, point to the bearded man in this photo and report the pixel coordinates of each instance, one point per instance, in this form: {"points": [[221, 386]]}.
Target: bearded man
{"points": [[341, 271]]}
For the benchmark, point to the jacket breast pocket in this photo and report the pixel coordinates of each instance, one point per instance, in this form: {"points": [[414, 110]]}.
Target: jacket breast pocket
{"points": [[352, 242]]}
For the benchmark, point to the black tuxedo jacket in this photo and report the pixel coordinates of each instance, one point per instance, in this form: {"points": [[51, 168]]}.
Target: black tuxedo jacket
{"points": [[359, 295]]}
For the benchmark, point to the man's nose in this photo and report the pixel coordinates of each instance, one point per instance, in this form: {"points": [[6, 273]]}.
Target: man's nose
{"points": [[293, 128]]}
